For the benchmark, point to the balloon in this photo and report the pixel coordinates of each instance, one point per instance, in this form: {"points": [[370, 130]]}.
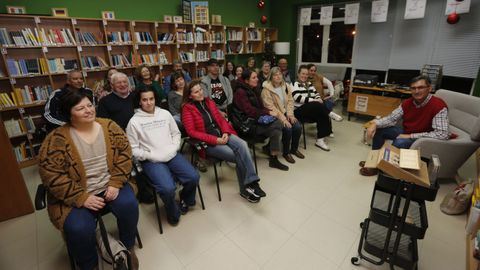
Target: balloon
{"points": [[263, 19], [261, 4], [453, 18]]}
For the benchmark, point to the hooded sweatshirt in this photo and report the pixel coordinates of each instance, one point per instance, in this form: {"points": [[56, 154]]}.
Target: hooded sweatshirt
{"points": [[153, 137]]}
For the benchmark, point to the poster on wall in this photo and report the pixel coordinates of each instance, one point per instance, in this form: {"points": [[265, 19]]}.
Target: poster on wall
{"points": [[305, 14], [361, 103], [326, 15], [415, 9], [200, 12], [379, 11], [187, 11], [351, 13], [458, 7]]}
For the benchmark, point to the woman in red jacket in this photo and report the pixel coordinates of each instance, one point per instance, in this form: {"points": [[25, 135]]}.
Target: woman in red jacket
{"points": [[203, 122]]}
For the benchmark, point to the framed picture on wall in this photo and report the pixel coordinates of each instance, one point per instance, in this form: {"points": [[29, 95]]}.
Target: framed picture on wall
{"points": [[108, 15], [59, 12], [200, 12], [16, 10], [167, 18], [177, 19], [187, 11], [216, 19]]}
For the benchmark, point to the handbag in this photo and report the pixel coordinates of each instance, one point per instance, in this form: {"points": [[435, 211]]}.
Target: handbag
{"points": [[112, 250], [241, 122], [266, 119]]}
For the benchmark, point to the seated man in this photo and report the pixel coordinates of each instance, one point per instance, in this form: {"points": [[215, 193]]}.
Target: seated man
{"points": [[423, 115], [167, 82], [217, 87], [52, 111]]}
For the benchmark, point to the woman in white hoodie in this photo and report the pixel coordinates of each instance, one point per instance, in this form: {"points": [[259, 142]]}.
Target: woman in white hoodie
{"points": [[155, 140]]}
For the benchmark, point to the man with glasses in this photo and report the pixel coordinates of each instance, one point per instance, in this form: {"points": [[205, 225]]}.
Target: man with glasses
{"points": [[423, 115]]}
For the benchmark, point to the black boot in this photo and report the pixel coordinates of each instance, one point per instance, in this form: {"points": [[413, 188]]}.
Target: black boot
{"points": [[275, 163]]}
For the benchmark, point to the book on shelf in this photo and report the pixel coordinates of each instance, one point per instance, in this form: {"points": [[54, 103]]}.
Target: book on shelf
{"points": [[218, 37], [148, 59], [121, 60], [86, 38], [254, 35], [119, 37], [131, 82], [25, 67], [5, 37], [218, 54], [186, 57], [6, 101], [163, 58], [201, 72], [234, 35], [57, 37], [143, 37], [15, 127], [184, 36], [22, 152], [22, 37], [92, 62], [201, 56], [234, 48], [60, 65], [165, 38], [202, 37], [30, 94]]}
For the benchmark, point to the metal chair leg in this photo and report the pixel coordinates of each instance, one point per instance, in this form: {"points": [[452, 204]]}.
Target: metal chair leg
{"points": [[71, 259], [157, 210], [255, 158], [216, 180], [139, 240], [201, 197], [304, 138]]}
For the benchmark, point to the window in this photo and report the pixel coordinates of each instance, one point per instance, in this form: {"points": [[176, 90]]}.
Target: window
{"points": [[329, 44]]}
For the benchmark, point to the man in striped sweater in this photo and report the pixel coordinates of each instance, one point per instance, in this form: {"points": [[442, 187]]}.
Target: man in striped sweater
{"points": [[423, 115]]}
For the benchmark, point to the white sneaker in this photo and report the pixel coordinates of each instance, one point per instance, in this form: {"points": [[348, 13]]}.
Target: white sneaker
{"points": [[335, 116], [322, 144], [331, 135]]}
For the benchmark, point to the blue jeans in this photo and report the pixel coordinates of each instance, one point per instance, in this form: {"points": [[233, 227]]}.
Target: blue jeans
{"points": [[329, 104], [236, 150], [80, 224], [163, 175], [390, 133], [291, 137]]}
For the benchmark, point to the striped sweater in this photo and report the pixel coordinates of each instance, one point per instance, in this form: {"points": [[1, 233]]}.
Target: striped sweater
{"points": [[304, 93]]}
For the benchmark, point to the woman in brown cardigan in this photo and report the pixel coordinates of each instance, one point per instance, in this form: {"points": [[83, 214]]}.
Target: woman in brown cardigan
{"points": [[85, 166]]}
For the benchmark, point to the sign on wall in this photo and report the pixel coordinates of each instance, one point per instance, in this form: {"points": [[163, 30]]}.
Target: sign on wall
{"points": [[351, 13], [305, 14], [415, 9], [379, 11], [326, 15]]}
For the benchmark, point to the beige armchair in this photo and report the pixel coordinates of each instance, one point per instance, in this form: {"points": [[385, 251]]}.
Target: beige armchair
{"points": [[464, 119]]}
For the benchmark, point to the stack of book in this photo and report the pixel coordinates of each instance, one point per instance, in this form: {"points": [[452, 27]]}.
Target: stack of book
{"points": [[144, 37], [60, 65], [120, 60], [218, 37], [163, 59], [218, 54], [86, 38], [233, 35], [91, 62], [119, 37], [254, 35], [186, 57], [184, 36], [25, 67], [165, 38], [202, 56]]}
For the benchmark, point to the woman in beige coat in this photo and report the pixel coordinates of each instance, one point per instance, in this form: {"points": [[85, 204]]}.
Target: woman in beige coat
{"points": [[277, 98]]}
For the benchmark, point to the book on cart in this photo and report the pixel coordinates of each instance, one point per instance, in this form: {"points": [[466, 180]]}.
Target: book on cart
{"points": [[404, 164]]}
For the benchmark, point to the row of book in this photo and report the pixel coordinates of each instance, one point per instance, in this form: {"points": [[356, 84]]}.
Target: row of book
{"points": [[25, 67], [86, 38], [218, 54], [60, 65], [234, 35], [234, 48], [254, 35], [121, 60], [162, 59], [165, 37], [218, 37], [26, 95], [144, 37], [202, 37], [21, 153], [37, 37], [91, 62], [201, 56], [119, 37], [184, 37], [15, 127], [250, 48], [186, 57], [148, 59]]}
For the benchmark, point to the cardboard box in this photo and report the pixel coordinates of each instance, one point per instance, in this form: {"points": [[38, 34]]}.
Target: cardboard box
{"points": [[403, 164]]}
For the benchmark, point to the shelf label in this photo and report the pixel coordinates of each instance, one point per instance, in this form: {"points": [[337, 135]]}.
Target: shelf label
{"points": [[156, 24], [136, 46], [4, 51], [37, 19], [21, 110], [109, 48], [79, 48], [105, 22], [13, 81], [44, 49], [84, 74], [74, 21], [133, 23]]}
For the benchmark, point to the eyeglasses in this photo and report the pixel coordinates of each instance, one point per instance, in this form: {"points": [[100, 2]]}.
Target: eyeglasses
{"points": [[420, 88]]}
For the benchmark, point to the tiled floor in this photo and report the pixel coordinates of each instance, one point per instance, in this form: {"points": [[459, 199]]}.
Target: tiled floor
{"points": [[309, 220]]}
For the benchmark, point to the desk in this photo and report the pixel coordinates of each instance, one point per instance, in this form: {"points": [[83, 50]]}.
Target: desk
{"points": [[374, 100]]}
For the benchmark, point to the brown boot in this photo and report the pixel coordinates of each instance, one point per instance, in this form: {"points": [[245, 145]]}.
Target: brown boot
{"points": [[133, 258], [368, 171]]}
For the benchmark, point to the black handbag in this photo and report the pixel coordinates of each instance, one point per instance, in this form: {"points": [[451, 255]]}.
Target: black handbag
{"points": [[241, 122]]}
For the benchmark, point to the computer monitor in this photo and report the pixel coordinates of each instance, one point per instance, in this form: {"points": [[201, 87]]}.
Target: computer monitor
{"points": [[402, 77], [381, 73], [457, 84]]}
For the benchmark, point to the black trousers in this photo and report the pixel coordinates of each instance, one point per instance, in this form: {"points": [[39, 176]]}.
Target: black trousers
{"points": [[315, 112]]}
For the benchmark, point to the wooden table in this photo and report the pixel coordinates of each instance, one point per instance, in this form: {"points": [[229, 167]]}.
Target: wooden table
{"points": [[374, 100]]}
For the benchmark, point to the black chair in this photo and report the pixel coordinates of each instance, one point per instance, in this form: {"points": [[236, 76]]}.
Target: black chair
{"points": [[138, 172], [41, 203]]}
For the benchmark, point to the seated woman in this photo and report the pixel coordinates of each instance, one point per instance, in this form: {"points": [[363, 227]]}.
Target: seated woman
{"points": [[175, 97], [318, 82], [145, 77], [309, 107], [277, 98], [246, 103], [229, 72], [85, 166], [203, 121], [155, 139], [238, 76]]}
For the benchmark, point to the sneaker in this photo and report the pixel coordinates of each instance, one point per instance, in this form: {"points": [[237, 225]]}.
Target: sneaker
{"points": [[173, 221], [331, 135], [335, 116], [275, 163], [298, 154], [320, 143], [183, 207], [289, 158], [249, 196], [457, 201], [201, 166], [257, 190], [368, 171]]}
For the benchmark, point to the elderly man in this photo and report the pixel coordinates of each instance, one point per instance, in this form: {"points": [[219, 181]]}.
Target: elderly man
{"points": [[52, 108], [283, 65], [217, 87], [167, 82], [423, 115], [117, 105]]}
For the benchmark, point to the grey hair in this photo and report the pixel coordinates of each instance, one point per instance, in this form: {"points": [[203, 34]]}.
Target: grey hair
{"points": [[273, 71], [117, 76]]}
